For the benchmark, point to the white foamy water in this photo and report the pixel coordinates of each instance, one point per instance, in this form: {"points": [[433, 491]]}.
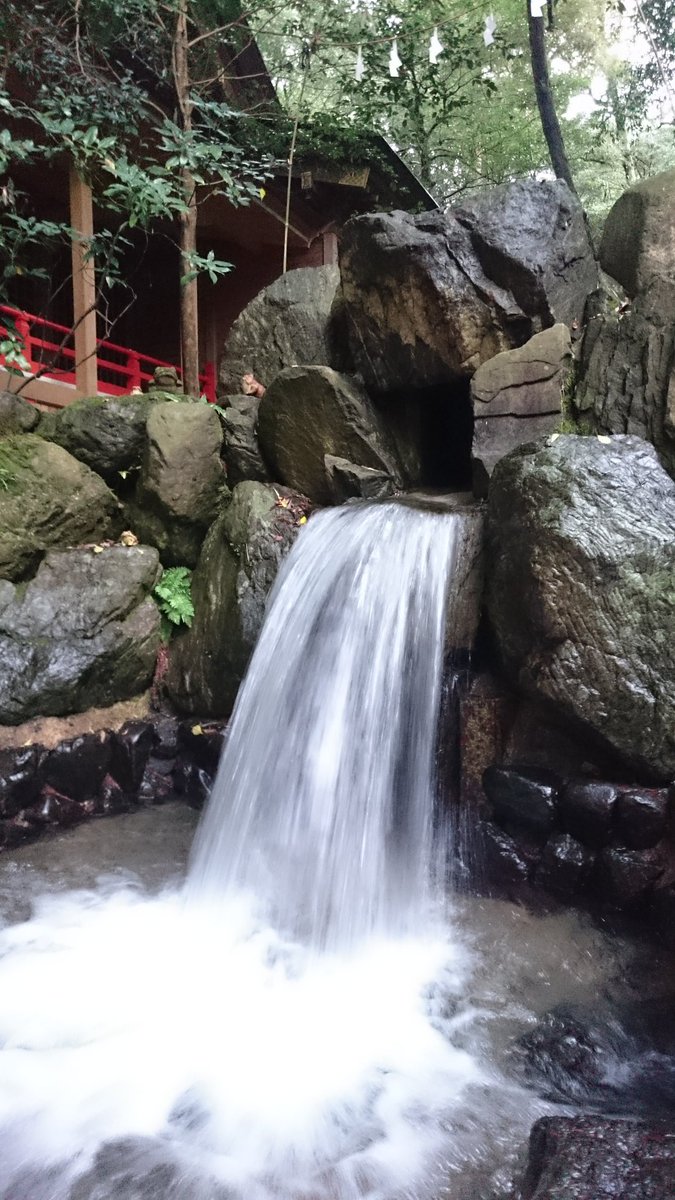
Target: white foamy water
{"points": [[288, 1025]]}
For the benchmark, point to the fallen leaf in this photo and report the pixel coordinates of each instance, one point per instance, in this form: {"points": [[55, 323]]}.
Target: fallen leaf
{"points": [[97, 549], [302, 521], [606, 441], [197, 729]]}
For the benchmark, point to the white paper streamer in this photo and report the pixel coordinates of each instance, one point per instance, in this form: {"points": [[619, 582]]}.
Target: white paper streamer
{"points": [[395, 63], [536, 7], [490, 26], [435, 48], [360, 69]]}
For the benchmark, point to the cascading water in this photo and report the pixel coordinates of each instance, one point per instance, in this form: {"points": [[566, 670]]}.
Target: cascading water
{"points": [[283, 1026], [324, 802]]}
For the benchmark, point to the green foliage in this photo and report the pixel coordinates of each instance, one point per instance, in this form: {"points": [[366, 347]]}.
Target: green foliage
{"points": [[174, 599]]}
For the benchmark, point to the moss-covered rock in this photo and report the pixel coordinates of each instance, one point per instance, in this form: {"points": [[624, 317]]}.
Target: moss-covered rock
{"points": [[105, 432], [83, 632], [47, 499], [581, 588], [237, 567], [182, 482], [17, 415]]}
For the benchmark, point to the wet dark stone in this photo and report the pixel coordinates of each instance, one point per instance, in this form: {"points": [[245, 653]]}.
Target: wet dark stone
{"points": [[15, 832], [131, 747], [592, 1158], [157, 784], [524, 801], [623, 878], [567, 1056], [192, 782], [641, 817], [112, 798], [663, 912], [55, 808], [130, 1169], [202, 743], [78, 768], [586, 810], [565, 866], [20, 779], [166, 737], [504, 860]]}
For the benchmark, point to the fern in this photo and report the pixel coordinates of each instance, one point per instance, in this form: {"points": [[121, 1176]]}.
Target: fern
{"points": [[174, 599]]}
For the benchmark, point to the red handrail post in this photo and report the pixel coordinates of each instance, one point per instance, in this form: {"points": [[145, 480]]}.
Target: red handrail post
{"points": [[23, 330], [134, 368], [208, 381]]}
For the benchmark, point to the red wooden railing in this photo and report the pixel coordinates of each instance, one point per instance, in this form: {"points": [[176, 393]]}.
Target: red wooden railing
{"points": [[51, 354]]}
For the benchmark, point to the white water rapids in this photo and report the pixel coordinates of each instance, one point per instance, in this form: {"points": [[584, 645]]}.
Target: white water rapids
{"points": [[285, 1025]]}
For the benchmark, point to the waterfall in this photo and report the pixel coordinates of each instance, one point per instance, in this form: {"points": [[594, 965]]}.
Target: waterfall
{"points": [[282, 1026], [323, 807]]}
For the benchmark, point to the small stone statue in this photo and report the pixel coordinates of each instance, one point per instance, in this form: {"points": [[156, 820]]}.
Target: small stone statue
{"points": [[165, 379], [250, 386]]}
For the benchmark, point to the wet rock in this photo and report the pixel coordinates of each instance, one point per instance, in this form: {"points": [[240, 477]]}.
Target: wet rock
{"points": [[505, 862], [20, 779], [642, 818], [193, 783], [346, 481], [17, 415], [482, 720], [565, 866], [625, 379], [134, 1168], [311, 412], [517, 397], [638, 240], [431, 297], [593, 1158], [624, 878], [587, 810], [166, 736], [131, 747], [107, 433], [527, 802], [15, 832], [580, 555], [157, 783], [55, 808], [202, 743], [48, 499], [237, 567], [84, 632], [241, 450], [181, 487], [77, 768], [290, 323], [112, 798], [572, 1055], [663, 912]]}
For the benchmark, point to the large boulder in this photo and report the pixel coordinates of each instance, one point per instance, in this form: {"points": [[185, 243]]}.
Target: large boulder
{"points": [[593, 1158], [47, 498], [17, 415], [638, 240], [517, 397], [293, 322], [182, 482], [105, 432], [430, 298], [311, 412], [627, 372], [83, 632], [237, 567], [241, 451], [580, 568]]}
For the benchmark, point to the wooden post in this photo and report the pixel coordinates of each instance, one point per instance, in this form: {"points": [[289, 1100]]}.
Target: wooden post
{"points": [[84, 286]]}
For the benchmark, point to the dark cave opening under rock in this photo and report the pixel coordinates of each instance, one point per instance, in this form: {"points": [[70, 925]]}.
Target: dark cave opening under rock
{"points": [[432, 428]]}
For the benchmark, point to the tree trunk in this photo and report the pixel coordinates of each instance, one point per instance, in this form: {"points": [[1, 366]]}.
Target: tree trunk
{"points": [[189, 308], [545, 101]]}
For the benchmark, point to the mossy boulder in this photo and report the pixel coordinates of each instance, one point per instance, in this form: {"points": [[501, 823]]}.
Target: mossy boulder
{"points": [[182, 482], [47, 499], [638, 241], [311, 412], [17, 415], [83, 632], [237, 567], [581, 589], [105, 432]]}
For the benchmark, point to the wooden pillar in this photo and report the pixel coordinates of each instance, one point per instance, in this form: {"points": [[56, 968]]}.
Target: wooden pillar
{"points": [[84, 286]]}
